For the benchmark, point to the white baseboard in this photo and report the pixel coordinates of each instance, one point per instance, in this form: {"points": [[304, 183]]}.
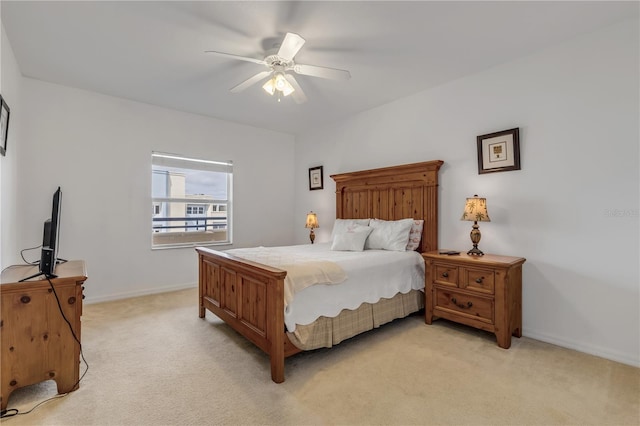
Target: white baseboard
{"points": [[144, 292], [601, 352]]}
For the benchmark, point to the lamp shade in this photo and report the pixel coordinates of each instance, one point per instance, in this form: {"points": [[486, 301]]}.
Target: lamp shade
{"points": [[475, 210], [312, 221], [270, 86]]}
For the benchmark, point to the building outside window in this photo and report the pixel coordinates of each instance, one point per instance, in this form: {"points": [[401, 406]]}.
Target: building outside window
{"points": [[195, 210], [191, 201]]}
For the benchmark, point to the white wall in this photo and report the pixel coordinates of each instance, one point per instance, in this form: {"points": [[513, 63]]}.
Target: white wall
{"points": [[98, 149], [10, 88], [577, 109]]}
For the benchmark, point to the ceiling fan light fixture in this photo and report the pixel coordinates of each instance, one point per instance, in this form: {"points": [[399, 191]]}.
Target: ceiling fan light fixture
{"points": [[278, 83], [270, 86]]}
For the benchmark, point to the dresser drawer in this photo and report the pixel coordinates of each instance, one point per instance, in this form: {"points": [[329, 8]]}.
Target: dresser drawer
{"points": [[479, 280], [446, 275], [472, 306]]}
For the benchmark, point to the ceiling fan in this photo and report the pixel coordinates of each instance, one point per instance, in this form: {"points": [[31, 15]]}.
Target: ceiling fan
{"points": [[280, 63]]}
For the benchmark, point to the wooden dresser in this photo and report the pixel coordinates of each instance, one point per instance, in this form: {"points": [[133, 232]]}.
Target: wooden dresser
{"points": [[480, 291], [37, 343]]}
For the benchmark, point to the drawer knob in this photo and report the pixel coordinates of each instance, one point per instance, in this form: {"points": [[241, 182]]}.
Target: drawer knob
{"points": [[445, 274], [479, 280], [461, 305]]}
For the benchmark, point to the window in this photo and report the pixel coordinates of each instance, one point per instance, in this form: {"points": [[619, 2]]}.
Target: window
{"points": [[191, 200], [195, 210]]}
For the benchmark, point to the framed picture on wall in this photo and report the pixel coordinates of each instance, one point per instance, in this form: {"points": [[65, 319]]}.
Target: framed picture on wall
{"points": [[315, 178], [4, 125], [499, 151]]}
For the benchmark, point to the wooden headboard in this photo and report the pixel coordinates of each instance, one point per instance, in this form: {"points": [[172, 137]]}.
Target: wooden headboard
{"points": [[392, 193]]}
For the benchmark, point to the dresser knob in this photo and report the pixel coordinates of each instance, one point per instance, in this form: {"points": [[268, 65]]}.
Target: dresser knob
{"points": [[445, 274], [479, 280]]}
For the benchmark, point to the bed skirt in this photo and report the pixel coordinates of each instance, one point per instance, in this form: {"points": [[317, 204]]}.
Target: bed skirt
{"points": [[326, 332]]}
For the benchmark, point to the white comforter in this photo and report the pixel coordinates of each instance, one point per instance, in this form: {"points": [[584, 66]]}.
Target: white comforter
{"points": [[371, 276], [303, 269]]}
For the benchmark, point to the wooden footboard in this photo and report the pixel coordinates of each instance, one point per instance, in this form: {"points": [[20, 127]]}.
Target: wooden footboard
{"points": [[249, 297]]}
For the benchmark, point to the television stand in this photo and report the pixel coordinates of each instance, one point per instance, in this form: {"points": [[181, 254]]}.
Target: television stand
{"points": [[30, 277], [58, 261], [37, 343]]}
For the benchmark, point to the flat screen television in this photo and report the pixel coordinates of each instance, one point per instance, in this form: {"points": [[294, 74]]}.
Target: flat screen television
{"points": [[50, 240], [49, 255]]}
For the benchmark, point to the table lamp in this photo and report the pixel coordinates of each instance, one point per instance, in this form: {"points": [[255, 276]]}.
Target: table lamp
{"points": [[312, 222], [475, 210]]}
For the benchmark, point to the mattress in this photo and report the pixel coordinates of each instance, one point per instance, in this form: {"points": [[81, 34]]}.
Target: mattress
{"points": [[372, 275]]}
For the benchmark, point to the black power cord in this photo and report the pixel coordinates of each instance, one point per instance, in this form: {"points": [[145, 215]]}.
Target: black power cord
{"points": [[10, 412], [35, 262]]}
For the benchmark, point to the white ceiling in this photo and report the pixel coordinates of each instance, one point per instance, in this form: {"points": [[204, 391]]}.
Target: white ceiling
{"points": [[153, 52]]}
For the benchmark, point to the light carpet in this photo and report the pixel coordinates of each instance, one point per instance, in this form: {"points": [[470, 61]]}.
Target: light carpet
{"points": [[152, 361]]}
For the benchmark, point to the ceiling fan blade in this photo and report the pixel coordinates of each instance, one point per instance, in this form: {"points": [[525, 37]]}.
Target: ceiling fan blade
{"points": [[291, 44], [242, 58], [323, 72], [251, 81], [298, 95]]}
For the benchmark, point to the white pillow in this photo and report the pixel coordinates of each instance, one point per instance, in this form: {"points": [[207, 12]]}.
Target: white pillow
{"points": [[415, 235], [352, 239], [342, 225], [389, 234]]}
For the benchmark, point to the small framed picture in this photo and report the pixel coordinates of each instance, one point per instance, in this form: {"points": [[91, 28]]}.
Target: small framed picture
{"points": [[4, 126], [315, 178], [499, 151]]}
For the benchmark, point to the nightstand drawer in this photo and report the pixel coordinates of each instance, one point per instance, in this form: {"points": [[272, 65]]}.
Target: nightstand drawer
{"points": [[480, 280], [446, 275], [472, 306]]}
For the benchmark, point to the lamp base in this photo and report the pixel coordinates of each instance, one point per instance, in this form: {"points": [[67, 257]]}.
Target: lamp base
{"points": [[312, 236], [475, 251], [475, 239]]}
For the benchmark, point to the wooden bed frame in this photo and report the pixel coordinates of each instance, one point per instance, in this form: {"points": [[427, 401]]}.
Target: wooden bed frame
{"points": [[249, 296]]}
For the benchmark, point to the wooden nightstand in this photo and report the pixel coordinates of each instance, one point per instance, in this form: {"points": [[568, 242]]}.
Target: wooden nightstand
{"points": [[480, 291]]}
